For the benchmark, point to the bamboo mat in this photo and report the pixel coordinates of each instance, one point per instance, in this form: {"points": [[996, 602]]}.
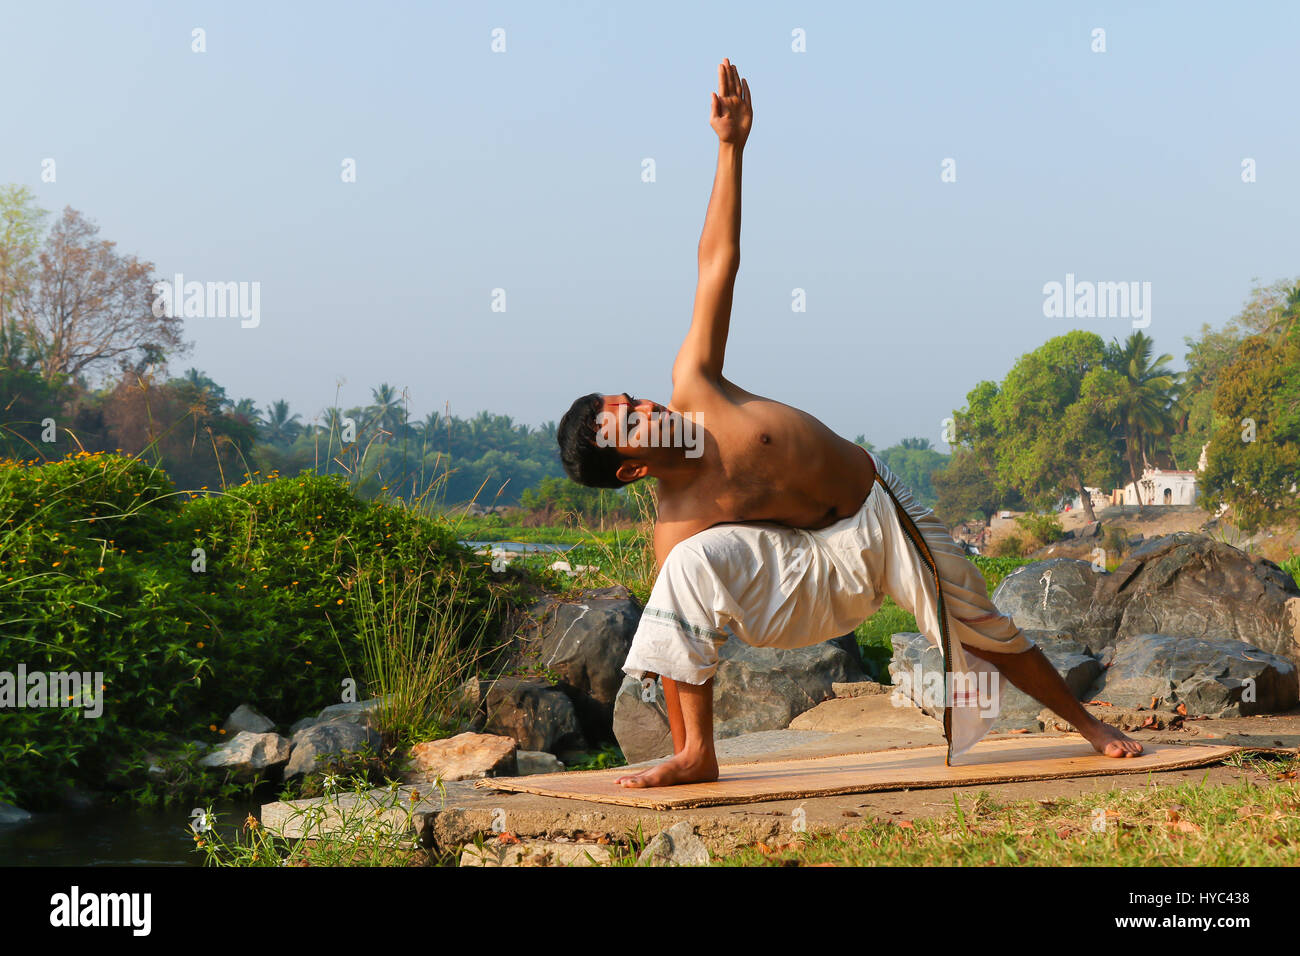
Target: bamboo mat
{"points": [[1005, 760]]}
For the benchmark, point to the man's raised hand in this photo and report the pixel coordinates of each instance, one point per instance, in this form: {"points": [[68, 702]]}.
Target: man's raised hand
{"points": [[732, 112]]}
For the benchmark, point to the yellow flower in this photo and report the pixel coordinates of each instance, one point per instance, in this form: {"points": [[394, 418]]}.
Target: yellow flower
{"points": [[199, 645]]}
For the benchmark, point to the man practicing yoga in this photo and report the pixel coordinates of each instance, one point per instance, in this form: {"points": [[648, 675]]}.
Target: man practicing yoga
{"points": [[775, 529]]}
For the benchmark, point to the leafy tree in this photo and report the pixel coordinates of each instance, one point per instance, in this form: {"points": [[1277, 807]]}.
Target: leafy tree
{"points": [[913, 460], [1044, 428], [1254, 452]]}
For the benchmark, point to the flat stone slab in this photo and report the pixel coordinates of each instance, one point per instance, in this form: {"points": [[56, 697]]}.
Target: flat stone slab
{"points": [[469, 813]]}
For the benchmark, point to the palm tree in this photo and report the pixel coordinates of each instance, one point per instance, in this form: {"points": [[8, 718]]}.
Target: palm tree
{"points": [[1147, 406], [387, 411], [281, 428]]}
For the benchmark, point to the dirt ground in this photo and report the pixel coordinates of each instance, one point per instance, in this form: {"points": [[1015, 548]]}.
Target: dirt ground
{"points": [[1276, 544]]}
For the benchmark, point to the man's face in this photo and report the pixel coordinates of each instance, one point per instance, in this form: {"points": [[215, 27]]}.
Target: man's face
{"points": [[635, 425]]}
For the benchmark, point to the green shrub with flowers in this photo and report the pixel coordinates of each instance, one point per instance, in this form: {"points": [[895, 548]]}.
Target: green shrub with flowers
{"points": [[189, 604]]}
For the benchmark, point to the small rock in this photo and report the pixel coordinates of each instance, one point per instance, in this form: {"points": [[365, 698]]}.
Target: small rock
{"points": [[249, 754], [537, 761], [676, 846], [331, 737], [467, 757], [364, 712], [246, 718], [11, 814]]}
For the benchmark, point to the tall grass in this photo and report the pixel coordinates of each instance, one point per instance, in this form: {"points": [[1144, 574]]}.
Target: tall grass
{"points": [[422, 638]]}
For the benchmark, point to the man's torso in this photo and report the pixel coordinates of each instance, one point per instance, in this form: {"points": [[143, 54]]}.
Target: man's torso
{"points": [[761, 461]]}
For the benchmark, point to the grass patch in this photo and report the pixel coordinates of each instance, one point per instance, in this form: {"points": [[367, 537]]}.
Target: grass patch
{"points": [[1241, 824]]}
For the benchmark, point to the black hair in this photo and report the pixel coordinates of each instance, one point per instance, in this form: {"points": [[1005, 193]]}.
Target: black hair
{"points": [[584, 461]]}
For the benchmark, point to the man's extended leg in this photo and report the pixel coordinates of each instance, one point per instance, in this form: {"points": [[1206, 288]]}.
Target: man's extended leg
{"points": [[922, 555], [690, 717], [1033, 673]]}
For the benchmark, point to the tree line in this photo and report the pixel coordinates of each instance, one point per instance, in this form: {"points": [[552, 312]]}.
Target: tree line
{"points": [[84, 358]]}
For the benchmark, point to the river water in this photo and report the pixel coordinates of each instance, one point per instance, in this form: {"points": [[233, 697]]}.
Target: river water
{"points": [[113, 836]]}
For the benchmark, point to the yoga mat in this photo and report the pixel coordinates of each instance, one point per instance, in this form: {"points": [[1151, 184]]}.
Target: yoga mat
{"points": [[991, 761]]}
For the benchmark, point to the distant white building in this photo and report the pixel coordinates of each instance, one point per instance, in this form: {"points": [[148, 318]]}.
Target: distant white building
{"points": [[1099, 500], [1160, 487]]}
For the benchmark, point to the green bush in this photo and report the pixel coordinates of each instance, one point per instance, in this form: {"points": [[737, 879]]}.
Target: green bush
{"points": [[98, 574], [1044, 528]]}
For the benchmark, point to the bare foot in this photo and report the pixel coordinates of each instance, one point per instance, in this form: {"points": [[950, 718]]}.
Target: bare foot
{"points": [[680, 769], [1110, 741]]}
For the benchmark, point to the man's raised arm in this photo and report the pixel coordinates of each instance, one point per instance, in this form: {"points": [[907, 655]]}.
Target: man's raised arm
{"points": [[719, 254]]}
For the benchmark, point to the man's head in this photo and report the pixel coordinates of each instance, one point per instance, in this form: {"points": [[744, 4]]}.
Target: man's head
{"points": [[607, 441]]}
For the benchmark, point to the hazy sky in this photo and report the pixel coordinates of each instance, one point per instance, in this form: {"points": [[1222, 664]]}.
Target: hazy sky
{"points": [[522, 170]]}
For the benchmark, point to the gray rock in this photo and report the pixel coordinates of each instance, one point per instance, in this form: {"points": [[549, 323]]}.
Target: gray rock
{"points": [[1059, 595], [536, 761], [1016, 709], [1189, 585], [11, 814], [676, 846], [754, 689], [246, 718], [537, 715], [1211, 678], [764, 688], [300, 724], [332, 737], [248, 754], [641, 726], [363, 712], [586, 643]]}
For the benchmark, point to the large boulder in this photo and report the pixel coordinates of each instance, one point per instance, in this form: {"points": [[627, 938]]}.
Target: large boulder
{"points": [[536, 714], [1059, 595], [332, 737], [764, 688], [586, 642], [1191, 586], [1211, 678], [754, 688], [248, 754], [914, 655]]}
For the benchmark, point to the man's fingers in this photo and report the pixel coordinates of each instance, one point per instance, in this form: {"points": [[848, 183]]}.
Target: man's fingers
{"points": [[744, 86], [735, 80], [715, 107], [722, 79]]}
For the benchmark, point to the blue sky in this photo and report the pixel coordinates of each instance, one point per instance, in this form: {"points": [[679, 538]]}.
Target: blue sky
{"points": [[522, 170]]}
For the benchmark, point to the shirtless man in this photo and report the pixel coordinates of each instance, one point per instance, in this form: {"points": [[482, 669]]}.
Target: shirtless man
{"points": [[757, 461]]}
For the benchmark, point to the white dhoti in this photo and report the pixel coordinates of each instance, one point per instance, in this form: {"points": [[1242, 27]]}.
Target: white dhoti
{"points": [[775, 586]]}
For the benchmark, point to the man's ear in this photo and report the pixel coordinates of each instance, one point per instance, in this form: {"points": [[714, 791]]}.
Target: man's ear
{"points": [[632, 469]]}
